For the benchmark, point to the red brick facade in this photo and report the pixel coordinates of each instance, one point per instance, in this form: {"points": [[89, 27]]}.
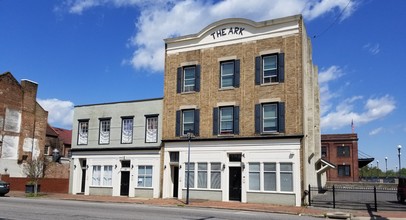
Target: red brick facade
{"points": [[342, 151]]}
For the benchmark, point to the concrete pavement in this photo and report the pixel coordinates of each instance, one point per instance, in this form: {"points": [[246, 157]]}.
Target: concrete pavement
{"points": [[293, 210]]}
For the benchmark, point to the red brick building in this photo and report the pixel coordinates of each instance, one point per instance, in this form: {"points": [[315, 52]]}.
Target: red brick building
{"points": [[23, 124], [342, 151]]}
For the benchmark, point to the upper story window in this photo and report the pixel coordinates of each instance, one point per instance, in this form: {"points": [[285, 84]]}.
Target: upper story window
{"points": [[104, 131], [151, 129], [226, 120], [188, 79], [344, 170], [230, 74], [83, 132], [270, 117], [127, 130], [187, 121], [323, 151], [269, 68], [343, 151]]}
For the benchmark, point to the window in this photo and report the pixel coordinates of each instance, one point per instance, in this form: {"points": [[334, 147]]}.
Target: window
{"points": [[144, 176], [286, 177], [151, 134], [83, 131], [254, 175], [344, 170], [104, 133], [201, 175], [234, 157], [270, 176], [188, 79], [343, 151], [226, 120], [270, 117], [187, 121], [323, 151], [127, 130], [100, 178], [230, 74], [215, 175], [191, 169], [125, 163], [269, 68], [173, 156]]}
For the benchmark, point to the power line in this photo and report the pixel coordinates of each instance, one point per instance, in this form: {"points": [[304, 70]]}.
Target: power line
{"points": [[334, 22]]}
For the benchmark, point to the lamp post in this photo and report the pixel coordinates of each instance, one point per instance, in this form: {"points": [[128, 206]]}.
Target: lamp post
{"points": [[189, 137], [386, 165], [400, 167]]}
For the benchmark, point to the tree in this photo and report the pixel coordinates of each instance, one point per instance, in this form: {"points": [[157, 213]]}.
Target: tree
{"points": [[35, 169]]}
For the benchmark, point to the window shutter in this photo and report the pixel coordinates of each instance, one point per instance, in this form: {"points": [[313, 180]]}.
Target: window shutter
{"points": [[197, 79], [236, 119], [281, 67], [237, 73], [215, 121], [258, 70], [177, 123], [179, 80], [281, 117], [258, 118], [197, 121]]}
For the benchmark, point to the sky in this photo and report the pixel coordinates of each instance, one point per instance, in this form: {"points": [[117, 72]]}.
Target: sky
{"points": [[97, 51]]}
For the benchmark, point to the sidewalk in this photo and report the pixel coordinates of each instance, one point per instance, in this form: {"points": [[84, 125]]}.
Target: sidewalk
{"points": [[293, 210]]}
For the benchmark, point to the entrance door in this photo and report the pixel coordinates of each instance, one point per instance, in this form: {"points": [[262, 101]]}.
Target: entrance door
{"points": [[83, 184], [235, 184], [175, 181], [125, 183]]}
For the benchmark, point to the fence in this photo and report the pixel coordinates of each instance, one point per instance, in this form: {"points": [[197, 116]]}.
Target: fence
{"points": [[54, 185], [359, 198]]}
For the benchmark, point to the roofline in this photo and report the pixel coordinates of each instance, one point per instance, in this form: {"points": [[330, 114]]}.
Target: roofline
{"points": [[299, 136], [130, 101], [235, 20]]}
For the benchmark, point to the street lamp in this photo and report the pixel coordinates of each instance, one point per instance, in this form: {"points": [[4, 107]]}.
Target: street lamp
{"points": [[400, 167], [386, 165], [189, 137]]}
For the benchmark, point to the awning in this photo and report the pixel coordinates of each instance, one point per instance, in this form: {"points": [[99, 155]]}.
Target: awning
{"points": [[325, 165]]}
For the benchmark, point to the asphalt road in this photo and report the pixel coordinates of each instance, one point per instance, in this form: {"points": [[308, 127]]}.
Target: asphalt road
{"points": [[13, 208]]}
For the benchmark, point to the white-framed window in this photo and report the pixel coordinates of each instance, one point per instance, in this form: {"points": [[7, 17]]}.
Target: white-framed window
{"points": [[104, 131], [270, 68], [270, 117], [286, 177], [83, 132], [144, 176], [201, 175], [188, 121], [227, 74], [215, 175], [191, 175], [254, 176], [271, 177], [226, 120], [127, 130], [102, 175], [189, 78], [151, 134]]}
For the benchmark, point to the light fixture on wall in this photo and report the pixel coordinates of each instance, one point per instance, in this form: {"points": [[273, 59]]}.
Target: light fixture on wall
{"points": [[164, 166], [243, 165], [74, 166], [5, 170], [224, 166], [87, 166], [115, 166], [132, 166]]}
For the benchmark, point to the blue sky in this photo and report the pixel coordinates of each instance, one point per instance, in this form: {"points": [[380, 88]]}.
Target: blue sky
{"points": [[94, 51]]}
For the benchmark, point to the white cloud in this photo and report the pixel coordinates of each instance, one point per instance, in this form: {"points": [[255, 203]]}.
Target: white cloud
{"points": [[346, 111], [372, 49], [60, 113], [326, 76], [162, 19], [376, 131]]}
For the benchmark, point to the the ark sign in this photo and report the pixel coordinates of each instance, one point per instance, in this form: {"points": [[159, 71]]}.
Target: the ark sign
{"points": [[228, 31]]}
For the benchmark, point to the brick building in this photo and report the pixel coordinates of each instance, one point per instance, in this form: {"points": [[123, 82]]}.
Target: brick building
{"points": [[342, 151], [23, 124], [58, 138], [245, 96]]}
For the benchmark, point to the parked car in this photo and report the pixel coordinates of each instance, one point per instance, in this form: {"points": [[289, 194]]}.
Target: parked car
{"points": [[4, 188], [401, 189]]}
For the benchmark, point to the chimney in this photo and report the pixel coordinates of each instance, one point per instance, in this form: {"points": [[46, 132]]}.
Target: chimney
{"points": [[30, 95]]}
